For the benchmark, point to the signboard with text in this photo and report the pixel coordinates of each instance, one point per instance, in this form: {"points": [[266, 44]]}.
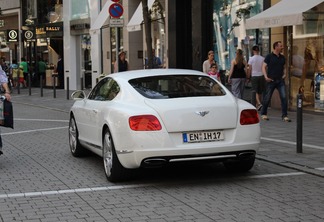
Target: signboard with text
{"points": [[116, 22]]}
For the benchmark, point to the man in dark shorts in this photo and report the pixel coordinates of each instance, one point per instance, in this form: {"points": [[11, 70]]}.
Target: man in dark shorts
{"points": [[257, 78]]}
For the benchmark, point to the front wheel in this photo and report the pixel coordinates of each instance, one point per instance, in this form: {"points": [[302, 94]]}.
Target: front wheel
{"points": [[75, 147], [113, 169]]}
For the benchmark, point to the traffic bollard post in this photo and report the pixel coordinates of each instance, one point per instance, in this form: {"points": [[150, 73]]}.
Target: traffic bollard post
{"points": [[299, 123], [67, 88]]}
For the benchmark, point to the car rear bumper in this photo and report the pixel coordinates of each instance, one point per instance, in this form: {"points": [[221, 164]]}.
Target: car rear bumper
{"points": [[158, 157]]}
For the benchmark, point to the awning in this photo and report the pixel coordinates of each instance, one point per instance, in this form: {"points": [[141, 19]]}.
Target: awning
{"points": [[284, 13], [135, 23], [102, 17]]}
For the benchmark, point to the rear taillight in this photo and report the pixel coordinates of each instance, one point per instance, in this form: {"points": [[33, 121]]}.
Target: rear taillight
{"points": [[144, 123], [249, 116]]}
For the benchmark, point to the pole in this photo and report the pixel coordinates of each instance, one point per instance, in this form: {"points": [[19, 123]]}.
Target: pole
{"points": [[41, 85], [54, 87], [82, 83], [18, 86], [29, 82], [253, 99], [299, 123], [67, 88], [30, 64], [117, 49]]}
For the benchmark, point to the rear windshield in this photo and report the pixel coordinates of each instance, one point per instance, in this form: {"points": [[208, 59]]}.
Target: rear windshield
{"points": [[176, 86]]}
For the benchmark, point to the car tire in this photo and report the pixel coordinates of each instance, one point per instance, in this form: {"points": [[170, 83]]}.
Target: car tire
{"points": [[239, 166], [75, 147], [113, 169]]}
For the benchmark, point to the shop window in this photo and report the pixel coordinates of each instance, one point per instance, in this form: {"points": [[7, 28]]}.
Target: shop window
{"points": [[307, 68], [31, 9], [313, 24], [80, 9]]}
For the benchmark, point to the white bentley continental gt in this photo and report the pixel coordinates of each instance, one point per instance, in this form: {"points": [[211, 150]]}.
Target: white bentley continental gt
{"points": [[149, 118]]}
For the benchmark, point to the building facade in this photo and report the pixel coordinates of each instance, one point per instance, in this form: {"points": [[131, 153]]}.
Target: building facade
{"points": [[89, 38], [299, 25], [10, 38]]}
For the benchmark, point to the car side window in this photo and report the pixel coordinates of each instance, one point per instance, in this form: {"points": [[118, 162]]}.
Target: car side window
{"points": [[106, 89]]}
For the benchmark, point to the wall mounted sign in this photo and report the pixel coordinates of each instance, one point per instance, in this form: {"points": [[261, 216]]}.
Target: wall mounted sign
{"points": [[12, 35]]}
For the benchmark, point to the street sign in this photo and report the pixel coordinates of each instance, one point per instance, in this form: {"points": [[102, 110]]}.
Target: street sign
{"points": [[115, 0], [12, 35], [116, 10], [113, 22], [29, 36]]}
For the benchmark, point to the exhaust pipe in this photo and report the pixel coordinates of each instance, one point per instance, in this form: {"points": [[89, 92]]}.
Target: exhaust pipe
{"points": [[248, 154], [155, 162]]}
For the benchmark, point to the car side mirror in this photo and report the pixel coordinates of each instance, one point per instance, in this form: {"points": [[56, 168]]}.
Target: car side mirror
{"points": [[78, 95]]}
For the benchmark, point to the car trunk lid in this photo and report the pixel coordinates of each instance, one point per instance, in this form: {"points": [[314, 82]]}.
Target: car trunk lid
{"points": [[201, 113]]}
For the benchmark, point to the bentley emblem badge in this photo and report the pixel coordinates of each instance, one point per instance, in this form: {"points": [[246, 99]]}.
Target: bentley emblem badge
{"points": [[202, 113]]}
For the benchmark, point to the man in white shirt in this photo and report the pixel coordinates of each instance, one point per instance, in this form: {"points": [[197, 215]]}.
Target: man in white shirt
{"points": [[255, 72]]}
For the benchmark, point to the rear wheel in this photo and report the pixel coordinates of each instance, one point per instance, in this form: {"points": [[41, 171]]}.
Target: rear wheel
{"points": [[240, 165], [113, 169], [75, 147]]}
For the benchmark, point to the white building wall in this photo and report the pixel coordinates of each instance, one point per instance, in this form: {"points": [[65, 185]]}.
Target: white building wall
{"points": [[96, 52], [70, 50], [133, 41], [9, 4]]}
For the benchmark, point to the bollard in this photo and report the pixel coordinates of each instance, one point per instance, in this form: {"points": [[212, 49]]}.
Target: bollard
{"points": [[67, 88], [18, 87], [41, 86], [81, 83], [253, 100], [54, 85], [299, 123], [29, 84]]}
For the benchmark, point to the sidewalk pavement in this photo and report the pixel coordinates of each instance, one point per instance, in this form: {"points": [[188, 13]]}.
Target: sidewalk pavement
{"points": [[278, 138]]}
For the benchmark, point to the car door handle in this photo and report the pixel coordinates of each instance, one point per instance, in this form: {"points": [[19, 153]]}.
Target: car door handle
{"points": [[95, 111]]}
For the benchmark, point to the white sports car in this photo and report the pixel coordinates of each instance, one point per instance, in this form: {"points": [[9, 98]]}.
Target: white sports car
{"points": [[154, 117]]}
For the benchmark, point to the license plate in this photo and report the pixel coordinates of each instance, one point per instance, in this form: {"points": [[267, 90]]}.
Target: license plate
{"points": [[203, 136]]}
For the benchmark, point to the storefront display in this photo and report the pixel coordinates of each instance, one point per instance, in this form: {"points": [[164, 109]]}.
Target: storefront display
{"points": [[319, 90], [307, 61]]}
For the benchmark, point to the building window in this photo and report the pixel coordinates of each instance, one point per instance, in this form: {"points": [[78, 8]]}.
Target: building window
{"points": [[80, 9], [31, 9]]}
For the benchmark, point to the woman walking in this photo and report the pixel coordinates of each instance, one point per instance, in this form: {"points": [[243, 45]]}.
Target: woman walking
{"points": [[237, 74]]}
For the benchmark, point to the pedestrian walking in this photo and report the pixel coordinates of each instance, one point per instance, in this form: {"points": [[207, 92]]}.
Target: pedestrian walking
{"points": [[209, 61], [157, 63], [6, 91], [122, 63], [274, 73], [60, 72], [14, 68], [237, 74], [24, 64], [6, 70], [41, 68], [256, 75]]}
